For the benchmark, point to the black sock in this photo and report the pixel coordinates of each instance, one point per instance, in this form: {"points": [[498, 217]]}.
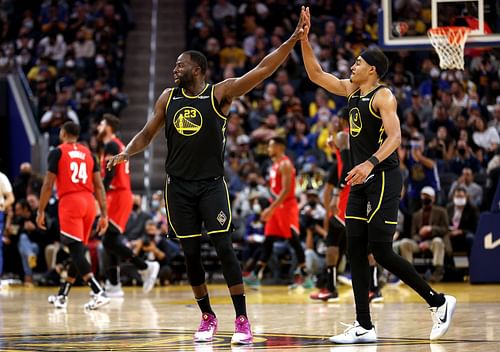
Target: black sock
{"points": [[94, 285], [139, 263], [373, 278], [436, 299], [239, 304], [204, 304], [64, 289], [331, 278], [113, 274]]}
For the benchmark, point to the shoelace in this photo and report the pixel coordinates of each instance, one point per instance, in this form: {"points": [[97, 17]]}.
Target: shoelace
{"points": [[206, 325], [348, 327], [242, 326]]}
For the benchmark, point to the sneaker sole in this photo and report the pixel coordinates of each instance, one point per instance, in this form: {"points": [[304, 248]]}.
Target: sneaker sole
{"points": [[451, 310], [242, 342], [377, 300]]}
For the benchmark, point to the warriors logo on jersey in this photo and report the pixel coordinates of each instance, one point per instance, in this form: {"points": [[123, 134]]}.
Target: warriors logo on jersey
{"points": [[188, 121], [355, 122]]}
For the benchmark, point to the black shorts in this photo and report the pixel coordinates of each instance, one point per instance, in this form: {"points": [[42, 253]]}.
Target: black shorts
{"points": [[193, 203], [336, 233], [372, 208]]}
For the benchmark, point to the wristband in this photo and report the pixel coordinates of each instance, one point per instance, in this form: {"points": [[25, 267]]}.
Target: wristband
{"points": [[373, 159]]}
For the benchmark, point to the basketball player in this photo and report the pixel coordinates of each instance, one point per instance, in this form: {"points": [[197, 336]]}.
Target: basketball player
{"points": [[120, 200], [195, 116], [77, 176], [282, 215], [375, 180]]}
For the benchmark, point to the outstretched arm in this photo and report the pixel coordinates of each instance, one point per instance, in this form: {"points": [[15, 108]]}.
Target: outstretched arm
{"points": [[342, 87], [235, 87], [142, 139]]}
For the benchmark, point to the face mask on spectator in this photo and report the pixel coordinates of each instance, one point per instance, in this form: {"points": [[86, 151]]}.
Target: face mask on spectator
{"points": [[253, 184], [459, 201], [427, 202], [155, 204], [461, 151], [256, 208]]}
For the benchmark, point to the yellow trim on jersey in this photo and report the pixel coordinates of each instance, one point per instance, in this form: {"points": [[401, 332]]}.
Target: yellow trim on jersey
{"points": [[371, 110], [371, 90], [350, 95], [391, 222], [189, 236], [230, 212], [355, 217], [168, 101], [213, 105], [380, 199], [196, 96]]}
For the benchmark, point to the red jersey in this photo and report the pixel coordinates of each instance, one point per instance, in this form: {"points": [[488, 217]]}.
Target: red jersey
{"points": [[121, 178], [74, 166], [344, 192], [275, 181]]}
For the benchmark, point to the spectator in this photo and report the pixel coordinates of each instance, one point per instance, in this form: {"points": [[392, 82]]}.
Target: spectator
{"points": [[419, 107], [232, 55], [137, 220], [496, 118], [464, 218], [466, 181], [429, 227], [485, 137], [21, 182], [6, 200], [222, 10], [54, 47], [464, 157]]}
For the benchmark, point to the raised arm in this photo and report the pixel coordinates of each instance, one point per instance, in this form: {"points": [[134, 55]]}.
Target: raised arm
{"points": [[342, 87], [142, 139], [235, 87]]}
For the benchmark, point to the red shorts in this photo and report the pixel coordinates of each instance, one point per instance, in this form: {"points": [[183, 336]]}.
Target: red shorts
{"points": [[119, 204], [283, 219], [77, 212]]}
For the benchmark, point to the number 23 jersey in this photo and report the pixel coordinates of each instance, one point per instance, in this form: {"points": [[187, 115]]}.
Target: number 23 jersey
{"points": [[74, 166]]}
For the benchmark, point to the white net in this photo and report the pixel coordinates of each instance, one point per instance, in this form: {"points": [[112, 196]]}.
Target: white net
{"points": [[449, 43]]}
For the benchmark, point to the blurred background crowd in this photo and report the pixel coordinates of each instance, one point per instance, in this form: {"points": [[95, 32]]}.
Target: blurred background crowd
{"points": [[72, 53]]}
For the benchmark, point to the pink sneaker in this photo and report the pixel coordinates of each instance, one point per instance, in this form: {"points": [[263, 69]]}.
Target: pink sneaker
{"points": [[242, 331], [207, 328]]}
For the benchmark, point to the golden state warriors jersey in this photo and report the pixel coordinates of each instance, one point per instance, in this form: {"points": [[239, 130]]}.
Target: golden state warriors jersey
{"points": [[366, 130], [195, 131]]}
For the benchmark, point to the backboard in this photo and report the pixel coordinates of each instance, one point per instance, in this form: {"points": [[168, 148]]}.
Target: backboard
{"points": [[403, 24]]}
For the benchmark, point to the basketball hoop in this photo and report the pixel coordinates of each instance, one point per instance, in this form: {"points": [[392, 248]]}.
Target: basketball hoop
{"points": [[449, 43]]}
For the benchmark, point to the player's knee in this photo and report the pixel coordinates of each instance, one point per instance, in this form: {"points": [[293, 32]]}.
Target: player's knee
{"points": [[382, 252], [230, 265], [77, 251]]}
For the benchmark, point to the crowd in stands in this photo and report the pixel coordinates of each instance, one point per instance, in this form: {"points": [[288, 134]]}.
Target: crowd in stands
{"points": [[450, 120]]}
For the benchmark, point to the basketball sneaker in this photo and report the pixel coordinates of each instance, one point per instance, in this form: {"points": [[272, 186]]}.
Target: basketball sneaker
{"points": [[149, 276], [355, 333], [59, 301], [97, 301], [441, 317], [242, 331], [113, 290], [325, 295], [375, 296], [252, 280], [207, 328], [345, 279]]}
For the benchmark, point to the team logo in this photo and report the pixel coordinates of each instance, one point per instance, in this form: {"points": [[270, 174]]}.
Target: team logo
{"points": [[368, 208], [355, 122], [188, 121], [221, 218]]}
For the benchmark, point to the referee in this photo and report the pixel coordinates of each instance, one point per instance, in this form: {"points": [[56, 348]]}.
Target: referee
{"points": [[194, 115], [371, 214]]}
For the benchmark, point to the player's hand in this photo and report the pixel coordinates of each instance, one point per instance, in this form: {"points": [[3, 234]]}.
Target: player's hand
{"points": [[117, 159], [40, 220], [266, 214], [359, 174], [307, 25], [299, 30], [102, 225]]}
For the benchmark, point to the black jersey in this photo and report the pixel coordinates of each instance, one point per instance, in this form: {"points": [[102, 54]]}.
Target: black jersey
{"points": [[195, 132], [366, 130]]}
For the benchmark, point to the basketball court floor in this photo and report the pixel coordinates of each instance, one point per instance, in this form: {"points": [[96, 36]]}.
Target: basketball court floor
{"points": [[282, 320]]}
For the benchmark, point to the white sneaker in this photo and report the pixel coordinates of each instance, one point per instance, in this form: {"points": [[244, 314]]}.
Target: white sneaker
{"points": [[97, 301], [441, 317], [149, 276], [355, 333], [113, 290], [59, 301]]}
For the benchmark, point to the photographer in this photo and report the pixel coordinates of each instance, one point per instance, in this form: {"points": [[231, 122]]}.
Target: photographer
{"points": [[153, 246]]}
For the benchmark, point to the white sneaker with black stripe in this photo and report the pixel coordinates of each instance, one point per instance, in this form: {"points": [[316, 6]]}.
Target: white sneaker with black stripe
{"points": [[355, 333], [441, 317]]}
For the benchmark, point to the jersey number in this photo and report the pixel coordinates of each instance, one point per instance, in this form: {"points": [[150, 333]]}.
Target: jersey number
{"points": [[78, 172]]}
